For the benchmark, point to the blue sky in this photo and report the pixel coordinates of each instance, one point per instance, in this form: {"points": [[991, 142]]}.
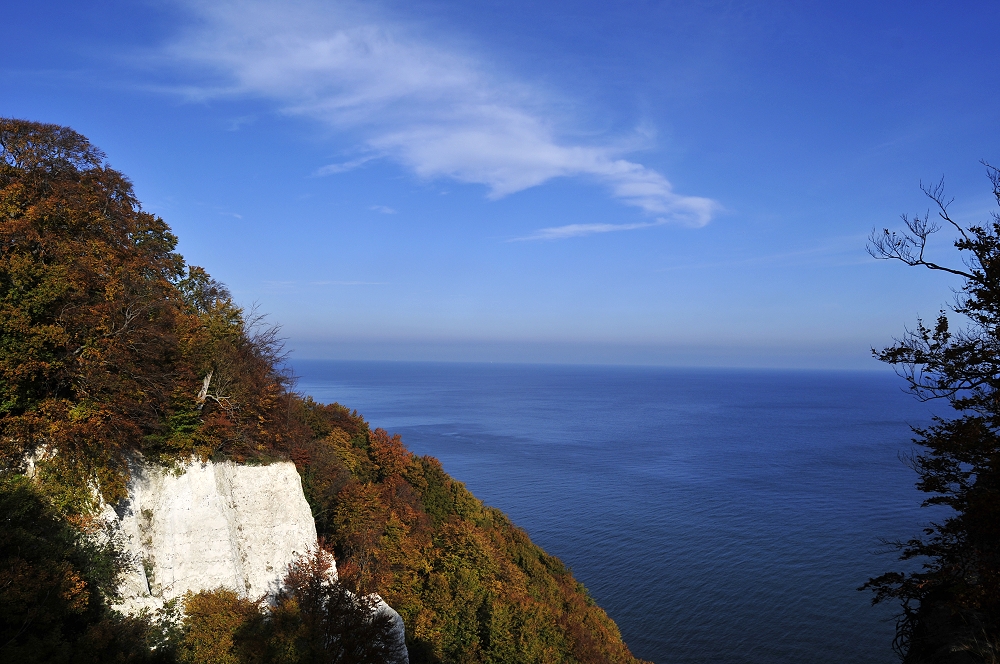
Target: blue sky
{"points": [[631, 182]]}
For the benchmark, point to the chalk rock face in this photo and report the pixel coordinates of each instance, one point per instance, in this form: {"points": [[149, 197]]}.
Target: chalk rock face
{"points": [[207, 525]]}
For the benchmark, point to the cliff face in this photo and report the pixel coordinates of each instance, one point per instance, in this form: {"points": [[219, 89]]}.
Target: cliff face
{"points": [[209, 525]]}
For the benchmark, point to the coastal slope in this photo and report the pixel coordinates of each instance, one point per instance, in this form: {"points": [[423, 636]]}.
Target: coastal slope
{"points": [[113, 348]]}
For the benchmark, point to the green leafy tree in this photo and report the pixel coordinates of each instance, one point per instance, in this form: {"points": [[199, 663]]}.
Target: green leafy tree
{"points": [[951, 606]]}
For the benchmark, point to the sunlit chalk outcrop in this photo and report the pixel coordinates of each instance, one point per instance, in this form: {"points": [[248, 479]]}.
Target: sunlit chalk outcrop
{"points": [[201, 526]]}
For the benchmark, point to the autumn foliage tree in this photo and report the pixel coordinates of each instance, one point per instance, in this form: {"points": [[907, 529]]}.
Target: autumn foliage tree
{"points": [[314, 619], [54, 589], [319, 619], [109, 344], [470, 585], [951, 606], [87, 307], [111, 349]]}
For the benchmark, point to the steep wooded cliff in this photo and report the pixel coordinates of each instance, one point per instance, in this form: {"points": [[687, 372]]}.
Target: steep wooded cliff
{"points": [[112, 349]]}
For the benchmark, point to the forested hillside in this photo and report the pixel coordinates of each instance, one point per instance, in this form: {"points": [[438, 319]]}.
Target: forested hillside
{"points": [[113, 349]]}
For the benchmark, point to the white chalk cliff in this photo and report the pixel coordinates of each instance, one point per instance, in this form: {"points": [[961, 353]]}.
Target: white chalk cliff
{"points": [[211, 525]]}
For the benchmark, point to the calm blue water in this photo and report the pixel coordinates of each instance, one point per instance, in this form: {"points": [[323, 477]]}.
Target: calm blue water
{"points": [[717, 515]]}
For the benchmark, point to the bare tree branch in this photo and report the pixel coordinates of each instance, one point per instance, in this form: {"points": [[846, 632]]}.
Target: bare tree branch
{"points": [[909, 247]]}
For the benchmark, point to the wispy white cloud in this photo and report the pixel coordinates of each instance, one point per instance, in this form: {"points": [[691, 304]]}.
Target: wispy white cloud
{"points": [[348, 283], [235, 124], [836, 251], [433, 108], [296, 284], [576, 230], [384, 209], [343, 167]]}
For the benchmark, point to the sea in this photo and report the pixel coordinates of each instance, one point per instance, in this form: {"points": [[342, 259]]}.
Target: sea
{"points": [[717, 515]]}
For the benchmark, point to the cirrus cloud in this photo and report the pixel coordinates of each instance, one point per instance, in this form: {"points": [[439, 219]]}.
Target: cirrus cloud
{"points": [[436, 110], [578, 230]]}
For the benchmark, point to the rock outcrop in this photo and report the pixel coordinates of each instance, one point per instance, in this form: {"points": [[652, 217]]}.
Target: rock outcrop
{"points": [[209, 525]]}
